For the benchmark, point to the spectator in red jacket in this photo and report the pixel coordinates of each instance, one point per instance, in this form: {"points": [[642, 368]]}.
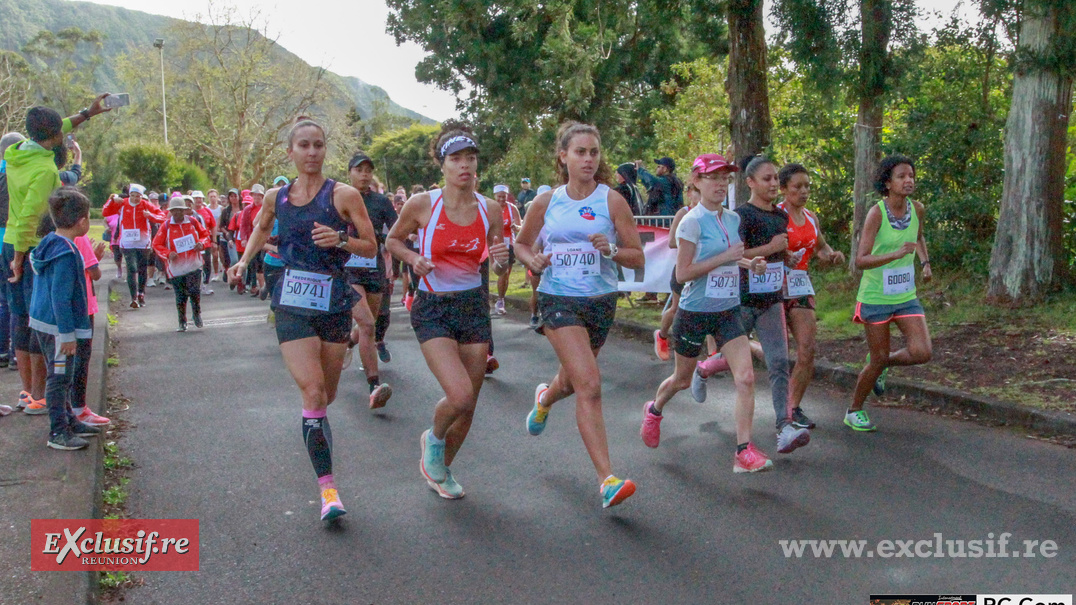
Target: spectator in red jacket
{"points": [[180, 243], [210, 223], [136, 215], [256, 269]]}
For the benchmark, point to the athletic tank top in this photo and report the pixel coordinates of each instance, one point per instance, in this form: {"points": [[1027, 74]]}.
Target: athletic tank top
{"points": [[802, 237], [456, 251], [893, 283], [298, 251], [578, 269], [718, 290], [508, 214]]}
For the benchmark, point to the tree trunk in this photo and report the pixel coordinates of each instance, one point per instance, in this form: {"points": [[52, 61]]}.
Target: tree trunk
{"points": [[749, 102], [1027, 259], [874, 67]]}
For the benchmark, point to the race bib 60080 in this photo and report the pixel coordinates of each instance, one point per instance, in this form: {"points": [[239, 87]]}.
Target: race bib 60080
{"points": [[898, 281], [306, 290], [571, 261]]}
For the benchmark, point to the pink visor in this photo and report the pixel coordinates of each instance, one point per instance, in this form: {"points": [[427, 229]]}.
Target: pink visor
{"points": [[711, 162]]}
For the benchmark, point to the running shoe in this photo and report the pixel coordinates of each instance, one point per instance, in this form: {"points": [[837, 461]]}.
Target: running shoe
{"points": [[4, 361], [707, 369], [408, 300], [383, 352], [14, 366], [167, 286], [380, 396], [216, 277], [790, 438], [36, 407], [331, 507], [536, 419], [198, 320], [67, 441], [800, 420], [24, 400], [349, 353], [491, 364], [81, 429], [432, 463], [651, 429], [698, 386], [614, 491], [254, 292], [264, 294], [661, 346], [448, 489], [134, 304], [151, 282], [119, 274], [859, 421], [182, 327], [88, 417], [498, 307], [207, 290], [534, 322], [142, 299], [5, 409], [751, 460]]}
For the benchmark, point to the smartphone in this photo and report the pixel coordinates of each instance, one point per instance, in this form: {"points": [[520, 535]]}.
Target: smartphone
{"points": [[117, 100], [69, 142]]}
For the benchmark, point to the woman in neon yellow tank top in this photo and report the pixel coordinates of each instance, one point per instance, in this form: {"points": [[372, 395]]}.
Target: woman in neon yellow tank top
{"points": [[892, 234]]}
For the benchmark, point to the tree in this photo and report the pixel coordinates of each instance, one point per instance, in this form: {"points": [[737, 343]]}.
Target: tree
{"points": [[232, 90], [1027, 260], [65, 63], [749, 104], [152, 166], [16, 91], [403, 156]]}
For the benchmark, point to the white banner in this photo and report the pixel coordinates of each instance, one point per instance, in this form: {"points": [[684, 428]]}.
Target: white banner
{"points": [[660, 262]]}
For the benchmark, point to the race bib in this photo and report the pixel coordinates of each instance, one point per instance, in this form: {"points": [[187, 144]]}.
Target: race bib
{"points": [[361, 262], [184, 244], [770, 281], [575, 261], [898, 281], [130, 236], [799, 284], [723, 282], [306, 290]]}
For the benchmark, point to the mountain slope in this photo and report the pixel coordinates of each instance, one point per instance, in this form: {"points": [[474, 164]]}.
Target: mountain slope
{"points": [[124, 29]]}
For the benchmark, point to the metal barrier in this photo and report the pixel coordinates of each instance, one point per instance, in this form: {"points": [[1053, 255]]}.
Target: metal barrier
{"points": [[662, 222]]}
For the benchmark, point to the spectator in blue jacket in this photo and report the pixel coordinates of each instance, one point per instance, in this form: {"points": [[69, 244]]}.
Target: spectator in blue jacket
{"points": [[59, 313]]}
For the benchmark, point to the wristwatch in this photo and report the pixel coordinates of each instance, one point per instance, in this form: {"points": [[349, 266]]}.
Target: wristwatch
{"points": [[85, 113], [343, 239], [612, 251]]}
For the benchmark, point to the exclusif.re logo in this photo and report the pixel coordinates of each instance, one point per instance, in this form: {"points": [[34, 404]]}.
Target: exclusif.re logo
{"points": [[114, 544]]}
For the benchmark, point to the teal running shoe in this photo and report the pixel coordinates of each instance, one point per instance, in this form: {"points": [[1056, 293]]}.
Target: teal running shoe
{"points": [[614, 491], [536, 419], [432, 463]]}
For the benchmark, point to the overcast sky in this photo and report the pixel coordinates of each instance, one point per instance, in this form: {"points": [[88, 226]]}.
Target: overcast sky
{"points": [[348, 37]]}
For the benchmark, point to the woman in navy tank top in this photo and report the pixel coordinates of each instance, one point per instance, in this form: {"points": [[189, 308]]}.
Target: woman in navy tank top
{"points": [[311, 299], [450, 313], [588, 229]]}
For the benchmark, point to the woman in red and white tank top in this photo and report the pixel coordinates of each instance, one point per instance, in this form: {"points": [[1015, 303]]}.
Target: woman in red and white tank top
{"points": [[805, 238], [450, 314], [510, 219]]}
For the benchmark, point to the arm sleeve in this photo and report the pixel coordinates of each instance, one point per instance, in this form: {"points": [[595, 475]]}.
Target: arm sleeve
{"points": [[62, 290], [110, 208], [647, 178], [156, 214]]}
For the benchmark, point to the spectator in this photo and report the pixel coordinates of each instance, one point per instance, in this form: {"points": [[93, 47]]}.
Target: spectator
{"points": [[627, 177], [31, 177], [665, 192], [526, 194], [8, 140]]}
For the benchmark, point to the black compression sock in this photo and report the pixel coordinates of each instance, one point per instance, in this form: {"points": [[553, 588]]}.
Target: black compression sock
{"points": [[654, 410], [373, 381], [741, 447], [318, 440]]}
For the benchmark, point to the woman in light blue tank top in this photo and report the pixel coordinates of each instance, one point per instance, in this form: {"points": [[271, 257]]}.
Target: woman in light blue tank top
{"points": [[708, 261], [588, 229]]}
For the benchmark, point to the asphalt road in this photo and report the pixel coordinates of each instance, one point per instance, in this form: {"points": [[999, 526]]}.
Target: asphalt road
{"points": [[216, 436]]}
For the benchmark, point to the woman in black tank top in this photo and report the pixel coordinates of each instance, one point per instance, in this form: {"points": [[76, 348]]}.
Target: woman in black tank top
{"points": [[313, 334]]}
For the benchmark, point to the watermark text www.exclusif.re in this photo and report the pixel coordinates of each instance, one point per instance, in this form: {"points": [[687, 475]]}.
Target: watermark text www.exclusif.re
{"points": [[1003, 546]]}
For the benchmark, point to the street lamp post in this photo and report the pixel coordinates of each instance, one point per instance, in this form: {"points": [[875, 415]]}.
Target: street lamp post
{"points": [[159, 44]]}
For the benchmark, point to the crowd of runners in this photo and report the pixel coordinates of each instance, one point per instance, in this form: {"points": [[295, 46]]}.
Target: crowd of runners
{"points": [[327, 254]]}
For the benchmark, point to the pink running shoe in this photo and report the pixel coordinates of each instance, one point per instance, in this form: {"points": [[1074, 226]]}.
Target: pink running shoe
{"points": [[661, 346], [88, 417], [712, 365], [651, 429], [750, 460]]}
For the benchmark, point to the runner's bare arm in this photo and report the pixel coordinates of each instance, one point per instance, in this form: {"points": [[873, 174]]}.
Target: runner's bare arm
{"points": [[498, 250], [349, 205], [675, 224], [263, 226], [921, 243], [532, 226], [413, 216], [629, 247]]}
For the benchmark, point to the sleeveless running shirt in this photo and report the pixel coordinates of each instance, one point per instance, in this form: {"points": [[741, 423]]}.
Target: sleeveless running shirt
{"points": [[316, 265], [893, 283], [456, 251], [802, 237], [577, 268]]}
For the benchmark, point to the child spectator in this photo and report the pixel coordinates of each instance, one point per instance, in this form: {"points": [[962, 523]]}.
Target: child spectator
{"points": [[59, 314], [91, 252]]}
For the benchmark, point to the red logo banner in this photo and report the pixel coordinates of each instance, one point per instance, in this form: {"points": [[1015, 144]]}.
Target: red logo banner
{"points": [[114, 544]]}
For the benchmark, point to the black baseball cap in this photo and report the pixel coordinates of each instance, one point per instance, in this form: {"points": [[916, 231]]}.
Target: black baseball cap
{"points": [[359, 158], [666, 162]]}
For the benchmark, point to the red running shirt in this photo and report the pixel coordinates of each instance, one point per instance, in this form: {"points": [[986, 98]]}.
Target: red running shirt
{"points": [[456, 251], [802, 237]]}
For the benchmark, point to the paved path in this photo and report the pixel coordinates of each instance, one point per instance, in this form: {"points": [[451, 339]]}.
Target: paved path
{"points": [[216, 436]]}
